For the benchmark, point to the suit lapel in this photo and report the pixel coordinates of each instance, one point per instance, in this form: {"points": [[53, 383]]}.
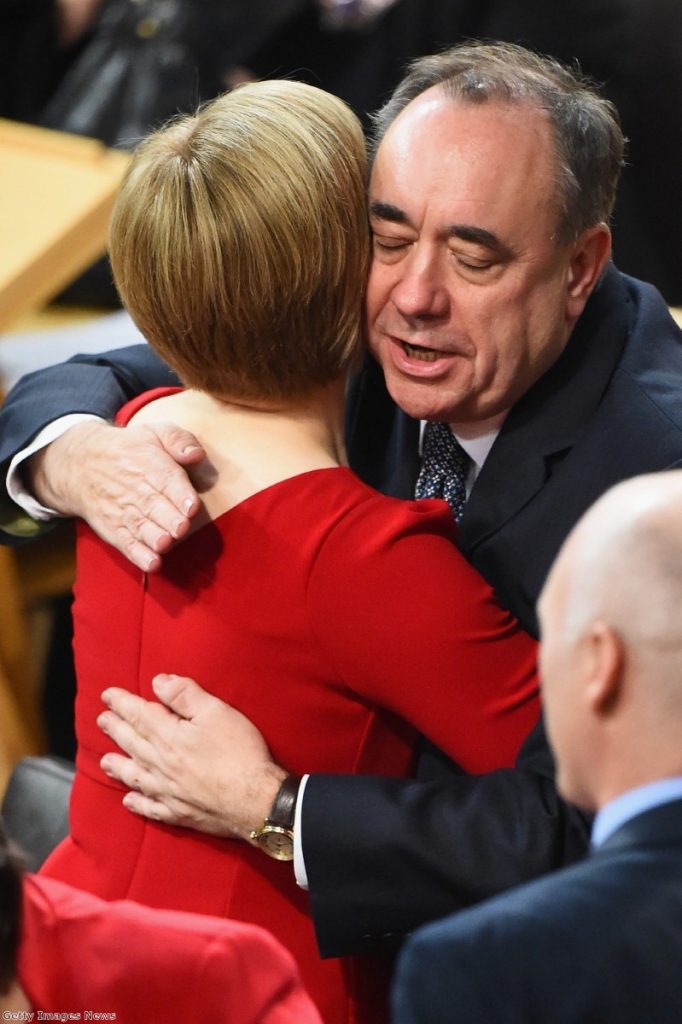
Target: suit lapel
{"points": [[546, 422]]}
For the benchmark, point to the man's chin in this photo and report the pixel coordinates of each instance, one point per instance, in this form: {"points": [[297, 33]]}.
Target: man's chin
{"points": [[423, 402]]}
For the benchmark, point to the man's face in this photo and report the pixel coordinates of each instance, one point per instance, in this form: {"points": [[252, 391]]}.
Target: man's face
{"points": [[467, 296]]}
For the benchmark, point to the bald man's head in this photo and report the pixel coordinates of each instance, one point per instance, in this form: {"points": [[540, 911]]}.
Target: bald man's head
{"points": [[623, 562], [611, 617]]}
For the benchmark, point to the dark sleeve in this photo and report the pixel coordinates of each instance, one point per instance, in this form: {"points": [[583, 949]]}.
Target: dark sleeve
{"points": [[384, 856], [85, 384]]}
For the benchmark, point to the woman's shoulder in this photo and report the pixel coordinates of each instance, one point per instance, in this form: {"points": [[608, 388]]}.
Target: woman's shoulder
{"points": [[136, 406], [358, 514]]}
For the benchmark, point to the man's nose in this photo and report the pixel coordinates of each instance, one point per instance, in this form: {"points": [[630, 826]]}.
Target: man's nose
{"points": [[421, 290]]}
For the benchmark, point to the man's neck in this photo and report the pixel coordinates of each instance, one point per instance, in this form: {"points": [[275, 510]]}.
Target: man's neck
{"points": [[470, 431]]}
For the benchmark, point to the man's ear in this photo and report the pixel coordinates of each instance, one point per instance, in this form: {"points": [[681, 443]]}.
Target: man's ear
{"points": [[606, 662], [589, 255]]}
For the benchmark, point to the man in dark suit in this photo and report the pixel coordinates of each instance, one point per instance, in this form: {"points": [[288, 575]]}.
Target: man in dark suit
{"points": [[485, 312], [600, 941]]}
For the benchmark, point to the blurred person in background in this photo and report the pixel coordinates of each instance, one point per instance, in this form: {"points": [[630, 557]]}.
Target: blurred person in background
{"points": [[63, 951]]}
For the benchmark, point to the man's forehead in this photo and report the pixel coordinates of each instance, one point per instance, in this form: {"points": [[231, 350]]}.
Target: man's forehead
{"points": [[437, 105], [471, 161]]}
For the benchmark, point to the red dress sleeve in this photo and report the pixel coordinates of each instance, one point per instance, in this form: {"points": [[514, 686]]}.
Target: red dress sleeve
{"points": [[409, 625]]}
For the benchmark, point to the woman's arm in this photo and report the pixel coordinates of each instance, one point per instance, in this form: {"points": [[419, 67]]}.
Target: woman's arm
{"points": [[405, 622]]}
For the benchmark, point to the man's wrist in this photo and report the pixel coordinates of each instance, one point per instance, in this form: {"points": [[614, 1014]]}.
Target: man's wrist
{"points": [[51, 472], [17, 488], [275, 835]]}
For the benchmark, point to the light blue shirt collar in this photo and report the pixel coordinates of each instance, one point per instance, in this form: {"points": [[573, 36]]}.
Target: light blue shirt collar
{"points": [[630, 804]]}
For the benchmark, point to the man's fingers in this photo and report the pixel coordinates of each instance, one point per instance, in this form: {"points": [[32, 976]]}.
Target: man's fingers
{"points": [[123, 735], [139, 554], [131, 774], [133, 723], [181, 444], [158, 492], [156, 527], [148, 795], [147, 807], [182, 695], [129, 484]]}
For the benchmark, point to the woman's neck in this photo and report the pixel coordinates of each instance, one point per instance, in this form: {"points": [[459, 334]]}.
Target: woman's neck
{"points": [[314, 423], [253, 445]]}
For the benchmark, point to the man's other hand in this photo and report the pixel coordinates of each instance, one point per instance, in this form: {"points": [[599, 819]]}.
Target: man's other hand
{"points": [[128, 484], [192, 759]]}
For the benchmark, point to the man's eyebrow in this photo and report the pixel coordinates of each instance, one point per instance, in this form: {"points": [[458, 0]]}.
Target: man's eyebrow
{"points": [[471, 233], [467, 232], [386, 211]]}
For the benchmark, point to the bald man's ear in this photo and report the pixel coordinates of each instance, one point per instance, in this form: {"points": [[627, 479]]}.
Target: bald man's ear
{"points": [[589, 256], [606, 661]]}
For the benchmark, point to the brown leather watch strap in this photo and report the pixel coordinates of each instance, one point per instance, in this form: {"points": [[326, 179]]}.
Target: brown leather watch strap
{"points": [[284, 806]]}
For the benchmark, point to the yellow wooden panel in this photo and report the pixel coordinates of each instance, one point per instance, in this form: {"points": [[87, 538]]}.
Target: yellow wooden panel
{"points": [[56, 194]]}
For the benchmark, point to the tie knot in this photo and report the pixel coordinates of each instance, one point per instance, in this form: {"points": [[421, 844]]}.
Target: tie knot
{"points": [[444, 470]]}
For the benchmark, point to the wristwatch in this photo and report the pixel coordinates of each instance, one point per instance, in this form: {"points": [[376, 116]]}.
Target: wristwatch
{"points": [[276, 835]]}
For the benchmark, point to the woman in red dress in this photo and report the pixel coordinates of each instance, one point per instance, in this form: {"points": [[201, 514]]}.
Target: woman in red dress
{"points": [[343, 623]]}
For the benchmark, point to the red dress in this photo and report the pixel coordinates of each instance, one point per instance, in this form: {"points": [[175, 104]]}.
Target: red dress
{"points": [[123, 962], [343, 623]]}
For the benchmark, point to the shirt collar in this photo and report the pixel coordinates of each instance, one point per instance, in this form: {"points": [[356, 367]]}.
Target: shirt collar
{"points": [[477, 448], [628, 805]]}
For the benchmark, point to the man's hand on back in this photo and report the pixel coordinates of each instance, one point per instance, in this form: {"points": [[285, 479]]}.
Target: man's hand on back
{"points": [[128, 484], [192, 760]]}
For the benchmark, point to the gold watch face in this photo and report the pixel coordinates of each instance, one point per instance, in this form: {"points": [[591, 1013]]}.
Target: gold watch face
{"points": [[276, 842]]}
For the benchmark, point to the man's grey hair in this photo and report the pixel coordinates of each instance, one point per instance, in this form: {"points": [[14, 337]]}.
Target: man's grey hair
{"points": [[588, 139]]}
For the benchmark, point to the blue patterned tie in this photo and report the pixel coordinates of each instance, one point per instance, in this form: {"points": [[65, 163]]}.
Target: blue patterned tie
{"points": [[444, 470]]}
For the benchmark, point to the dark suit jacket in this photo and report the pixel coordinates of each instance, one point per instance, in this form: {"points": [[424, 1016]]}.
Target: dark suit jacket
{"points": [[596, 943], [383, 856]]}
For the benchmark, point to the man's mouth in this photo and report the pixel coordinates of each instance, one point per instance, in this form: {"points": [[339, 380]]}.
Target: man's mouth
{"points": [[426, 355]]}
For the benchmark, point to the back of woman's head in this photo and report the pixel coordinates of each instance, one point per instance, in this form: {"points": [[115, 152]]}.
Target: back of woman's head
{"points": [[239, 241], [10, 911]]}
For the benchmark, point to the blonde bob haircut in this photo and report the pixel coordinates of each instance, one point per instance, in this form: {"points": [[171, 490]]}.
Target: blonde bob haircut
{"points": [[239, 241]]}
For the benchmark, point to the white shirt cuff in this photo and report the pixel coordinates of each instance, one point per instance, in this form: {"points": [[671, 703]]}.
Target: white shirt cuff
{"points": [[15, 484], [299, 863]]}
